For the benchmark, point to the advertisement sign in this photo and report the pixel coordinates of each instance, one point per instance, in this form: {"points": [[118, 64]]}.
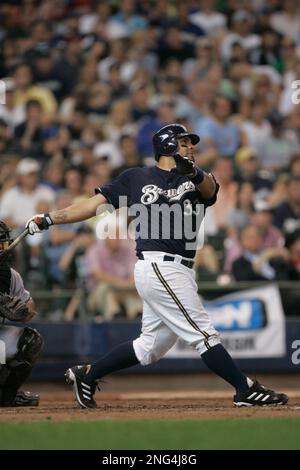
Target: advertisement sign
{"points": [[251, 324]]}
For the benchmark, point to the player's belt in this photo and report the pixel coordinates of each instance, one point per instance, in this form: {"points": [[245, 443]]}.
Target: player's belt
{"points": [[185, 262]]}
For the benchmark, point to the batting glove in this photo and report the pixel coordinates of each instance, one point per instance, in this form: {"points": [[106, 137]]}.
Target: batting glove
{"points": [[184, 165], [38, 223]]}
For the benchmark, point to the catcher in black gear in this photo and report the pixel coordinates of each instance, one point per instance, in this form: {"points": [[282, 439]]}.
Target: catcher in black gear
{"points": [[22, 346]]}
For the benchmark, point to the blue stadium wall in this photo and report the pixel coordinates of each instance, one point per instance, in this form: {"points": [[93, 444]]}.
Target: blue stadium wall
{"points": [[72, 343]]}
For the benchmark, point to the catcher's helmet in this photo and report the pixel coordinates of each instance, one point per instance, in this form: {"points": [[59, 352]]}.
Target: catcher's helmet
{"points": [[4, 235], [165, 139]]}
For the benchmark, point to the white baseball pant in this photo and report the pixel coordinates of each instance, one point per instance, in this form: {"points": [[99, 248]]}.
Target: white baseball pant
{"points": [[171, 309]]}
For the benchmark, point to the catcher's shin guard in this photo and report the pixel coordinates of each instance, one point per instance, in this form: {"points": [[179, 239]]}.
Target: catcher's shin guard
{"points": [[18, 366]]}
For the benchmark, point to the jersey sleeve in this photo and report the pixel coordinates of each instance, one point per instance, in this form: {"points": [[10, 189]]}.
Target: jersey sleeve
{"points": [[17, 288], [119, 187], [213, 199]]}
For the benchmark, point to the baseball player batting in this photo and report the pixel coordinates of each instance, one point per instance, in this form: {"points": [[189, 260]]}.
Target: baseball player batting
{"points": [[22, 344], [164, 277]]}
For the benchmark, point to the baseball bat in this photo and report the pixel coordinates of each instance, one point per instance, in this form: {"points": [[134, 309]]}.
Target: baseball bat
{"points": [[13, 244]]}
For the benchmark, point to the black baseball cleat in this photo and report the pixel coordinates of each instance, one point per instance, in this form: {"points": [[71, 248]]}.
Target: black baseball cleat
{"points": [[84, 391], [22, 398], [258, 395], [25, 398]]}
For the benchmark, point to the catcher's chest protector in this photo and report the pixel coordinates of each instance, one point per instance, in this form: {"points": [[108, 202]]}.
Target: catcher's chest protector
{"points": [[5, 277]]}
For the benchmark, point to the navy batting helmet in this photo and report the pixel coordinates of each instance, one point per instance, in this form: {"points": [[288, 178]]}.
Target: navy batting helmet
{"points": [[165, 139]]}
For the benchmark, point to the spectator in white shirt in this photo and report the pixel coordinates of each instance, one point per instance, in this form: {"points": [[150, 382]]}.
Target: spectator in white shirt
{"points": [[207, 18], [287, 21], [18, 203]]}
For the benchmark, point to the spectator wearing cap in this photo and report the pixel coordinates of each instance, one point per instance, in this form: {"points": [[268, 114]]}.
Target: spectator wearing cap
{"points": [[243, 24], [287, 214], [257, 264], [260, 217], [248, 170], [20, 202]]}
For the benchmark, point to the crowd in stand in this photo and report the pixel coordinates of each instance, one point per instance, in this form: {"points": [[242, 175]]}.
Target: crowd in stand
{"points": [[88, 82]]}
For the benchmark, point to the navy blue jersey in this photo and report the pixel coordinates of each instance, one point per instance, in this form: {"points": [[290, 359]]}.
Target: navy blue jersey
{"points": [[167, 208]]}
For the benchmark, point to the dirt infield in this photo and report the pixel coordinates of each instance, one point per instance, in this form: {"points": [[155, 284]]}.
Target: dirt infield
{"points": [[151, 398], [187, 405]]}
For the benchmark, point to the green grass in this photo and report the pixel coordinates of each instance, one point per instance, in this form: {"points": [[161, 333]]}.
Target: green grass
{"points": [[133, 435]]}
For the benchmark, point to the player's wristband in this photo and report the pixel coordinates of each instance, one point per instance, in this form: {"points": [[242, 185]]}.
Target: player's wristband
{"points": [[199, 176], [48, 219]]}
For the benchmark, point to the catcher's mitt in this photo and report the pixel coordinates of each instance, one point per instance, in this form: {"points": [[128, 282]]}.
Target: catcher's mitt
{"points": [[184, 165], [12, 308]]}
